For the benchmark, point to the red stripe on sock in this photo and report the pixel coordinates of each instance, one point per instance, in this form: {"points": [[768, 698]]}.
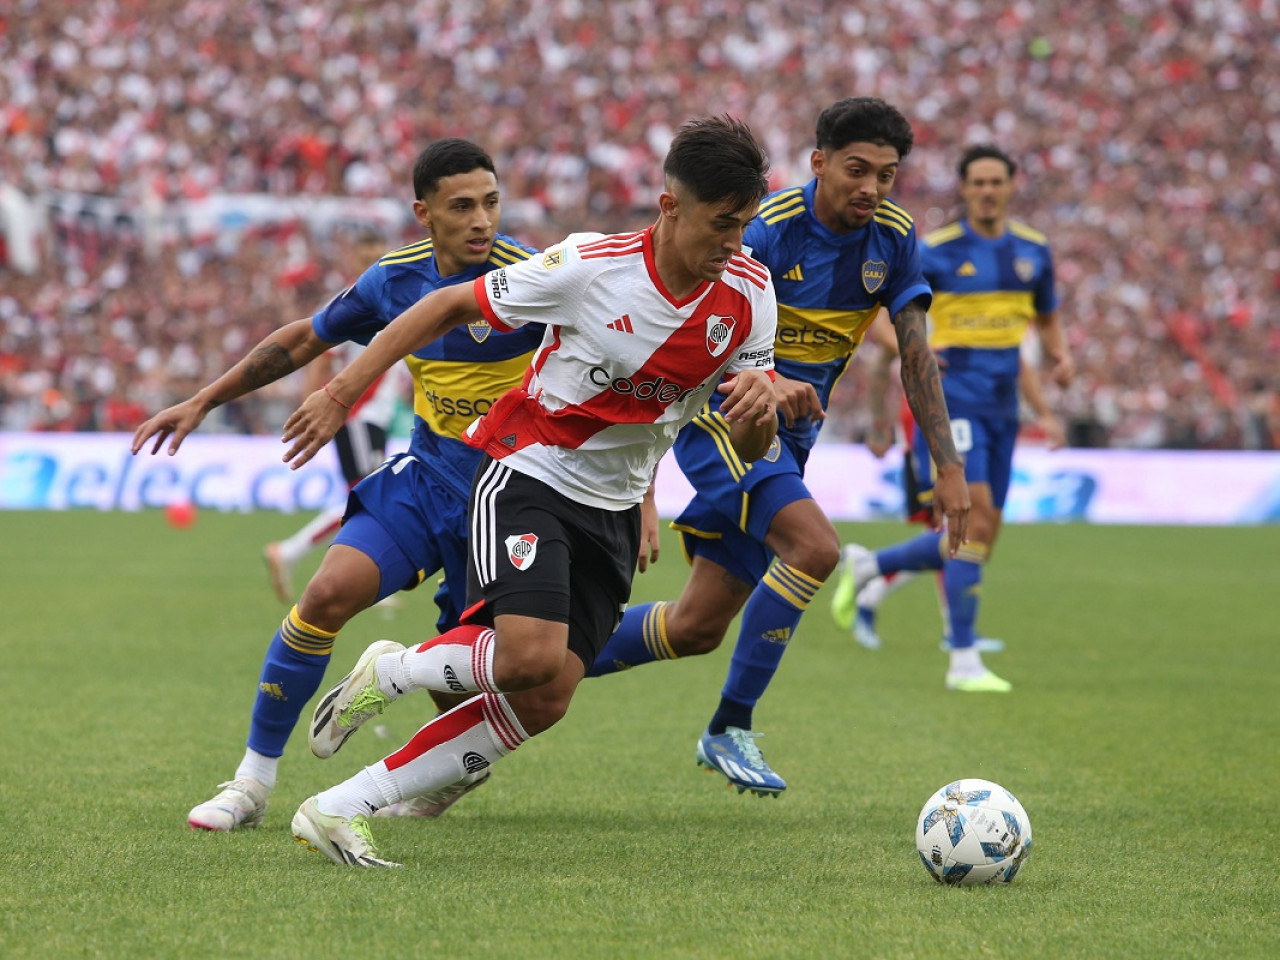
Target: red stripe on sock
{"points": [[498, 720], [442, 729]]}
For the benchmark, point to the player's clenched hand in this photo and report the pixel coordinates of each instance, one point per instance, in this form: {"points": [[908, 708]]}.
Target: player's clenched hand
{"points": [[951, 504], [311, 426], [176, 421], [797, 400], [749, 398]]}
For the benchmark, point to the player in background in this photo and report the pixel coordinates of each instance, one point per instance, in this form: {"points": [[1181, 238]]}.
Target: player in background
{"points": [[992, 277], [361, 444], [408, 519], [838, 250], [855, 606], [641, 329]]}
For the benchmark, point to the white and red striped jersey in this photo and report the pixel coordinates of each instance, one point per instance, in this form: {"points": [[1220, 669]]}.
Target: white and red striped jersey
{"points": [[623, 364]]}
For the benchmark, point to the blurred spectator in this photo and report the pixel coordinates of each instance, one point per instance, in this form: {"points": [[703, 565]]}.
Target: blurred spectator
{"points": [[1146, 133]]}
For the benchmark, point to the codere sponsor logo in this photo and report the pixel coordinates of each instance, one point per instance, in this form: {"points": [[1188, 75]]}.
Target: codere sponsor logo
{"points": [[659, 388]]}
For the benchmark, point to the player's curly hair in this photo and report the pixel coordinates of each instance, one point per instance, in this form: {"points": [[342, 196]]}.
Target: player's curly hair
{"points": [[719, 159], [984, 151], [864, 120], [447, 158]]}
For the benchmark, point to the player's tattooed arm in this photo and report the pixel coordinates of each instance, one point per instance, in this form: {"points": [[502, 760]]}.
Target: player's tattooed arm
{"points": [[922, 385], [280, 353], [266, 364]]}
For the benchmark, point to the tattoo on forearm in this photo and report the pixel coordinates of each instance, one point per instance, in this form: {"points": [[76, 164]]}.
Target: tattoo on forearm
{"points": [[922, 386], [266, 364]]}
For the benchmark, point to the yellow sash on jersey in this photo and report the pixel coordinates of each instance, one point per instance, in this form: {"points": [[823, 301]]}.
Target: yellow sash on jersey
{"points": [[810, 335], [994, 319], [450, 394]]}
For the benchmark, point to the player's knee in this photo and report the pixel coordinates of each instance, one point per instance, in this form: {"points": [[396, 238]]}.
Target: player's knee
{"points": [[816, 556], [524, 668], [540, 709], [328, 603]]}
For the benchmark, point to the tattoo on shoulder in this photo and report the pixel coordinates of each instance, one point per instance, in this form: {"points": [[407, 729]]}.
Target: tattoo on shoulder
{"points": [[267, 364]]}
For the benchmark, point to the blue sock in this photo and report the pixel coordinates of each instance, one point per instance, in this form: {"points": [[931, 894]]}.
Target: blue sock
{"points": [[769, 620], [291, 673], [919, 553], [641, 637], [962, 583]]}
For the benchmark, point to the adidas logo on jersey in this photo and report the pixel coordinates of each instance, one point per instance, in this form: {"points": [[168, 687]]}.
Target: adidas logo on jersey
{"points": [[622, 324], [794, 274], [966, 269]]}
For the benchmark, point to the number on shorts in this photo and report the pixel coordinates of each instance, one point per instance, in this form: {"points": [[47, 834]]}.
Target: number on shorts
{"points": [[962, 435]]}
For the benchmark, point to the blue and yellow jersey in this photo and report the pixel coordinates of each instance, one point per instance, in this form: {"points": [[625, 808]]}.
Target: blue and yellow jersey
{"points": [[985, 294], [455, 378], [830, 286]]}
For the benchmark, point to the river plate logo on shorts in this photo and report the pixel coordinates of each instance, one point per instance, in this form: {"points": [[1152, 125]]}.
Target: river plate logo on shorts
{"points": [[873, 274], [521, 549]]}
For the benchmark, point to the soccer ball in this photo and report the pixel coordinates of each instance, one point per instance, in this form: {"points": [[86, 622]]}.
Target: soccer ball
{"points": [[973, 831]]}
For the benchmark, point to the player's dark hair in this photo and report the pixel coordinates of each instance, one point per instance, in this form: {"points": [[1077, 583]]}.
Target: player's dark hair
{"points": [[864, 120], [984, 151], [447, 158], [719, 159]]}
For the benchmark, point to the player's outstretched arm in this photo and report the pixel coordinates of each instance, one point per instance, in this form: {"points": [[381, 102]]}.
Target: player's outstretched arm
{"points": [[750, 407], [285, 350], [923, 389], [314, 423]]}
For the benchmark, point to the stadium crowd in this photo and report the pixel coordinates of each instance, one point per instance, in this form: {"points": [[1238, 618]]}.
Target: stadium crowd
{"points": [[1145, 133]]}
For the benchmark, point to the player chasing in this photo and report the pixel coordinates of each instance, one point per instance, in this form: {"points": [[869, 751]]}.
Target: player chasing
{"points": [[408, 519], [641, 329], [855, 608], [992, 277], [838, 250], [361, 444]]}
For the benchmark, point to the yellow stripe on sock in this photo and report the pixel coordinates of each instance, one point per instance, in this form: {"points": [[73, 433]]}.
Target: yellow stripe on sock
{"points": [[304, 637], [973, 551], [793, 586], [654, 632]]}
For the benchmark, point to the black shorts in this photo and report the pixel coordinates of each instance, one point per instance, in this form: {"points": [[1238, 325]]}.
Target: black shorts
{"points": [[536, 553], [361, 447]]}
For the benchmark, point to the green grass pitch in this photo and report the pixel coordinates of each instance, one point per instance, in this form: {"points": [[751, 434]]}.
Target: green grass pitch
{"points": [[1142, 737]]}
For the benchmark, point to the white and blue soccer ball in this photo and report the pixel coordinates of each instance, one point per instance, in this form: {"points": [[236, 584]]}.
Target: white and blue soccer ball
{"points": [[973, 831]]}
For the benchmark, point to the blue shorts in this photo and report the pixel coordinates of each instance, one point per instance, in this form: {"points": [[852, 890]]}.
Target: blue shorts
{"points": [[985, 443], [425, 518], [734, 503]]}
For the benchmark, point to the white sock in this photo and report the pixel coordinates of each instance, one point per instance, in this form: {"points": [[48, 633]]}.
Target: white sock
{"points": [[464, 666], [354, 796], [967, 662], [312, 535], [469, 738], [865, 566], [258, 767]]}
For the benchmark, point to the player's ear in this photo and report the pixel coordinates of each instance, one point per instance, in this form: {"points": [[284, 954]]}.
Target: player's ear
{"points": [[422, 213], [669, 205], [818, 163]]}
